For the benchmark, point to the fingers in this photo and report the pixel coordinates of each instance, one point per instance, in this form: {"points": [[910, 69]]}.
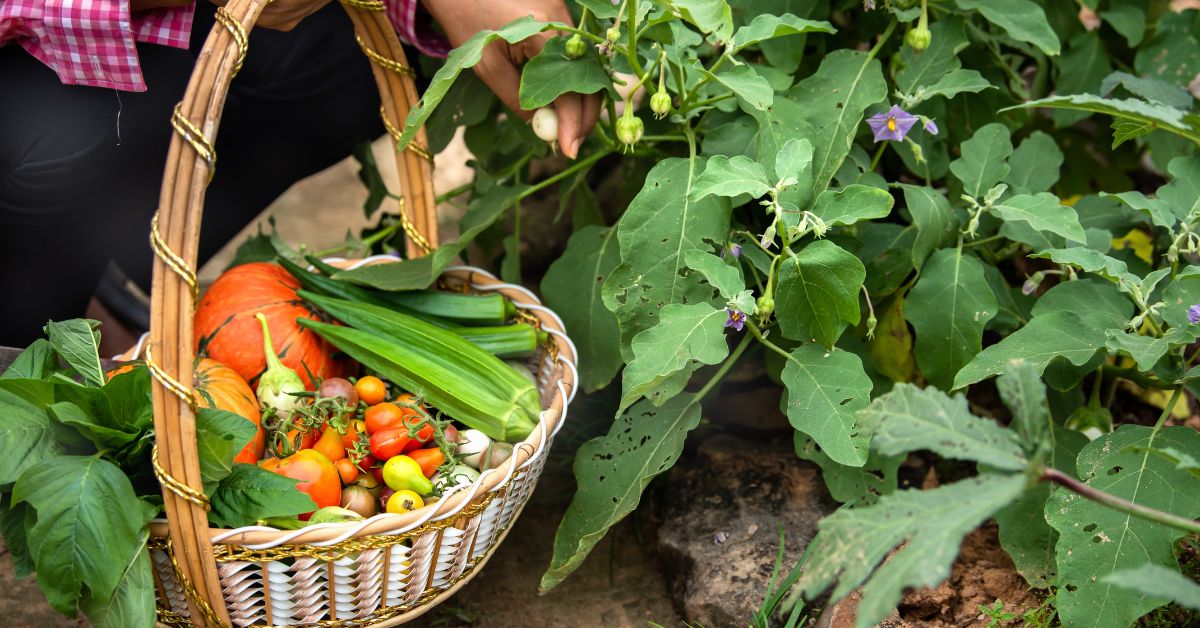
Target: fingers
{"points": [[496, 70], [569, 108]]}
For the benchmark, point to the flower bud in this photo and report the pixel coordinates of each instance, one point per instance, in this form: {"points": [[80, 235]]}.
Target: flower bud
{"points": [[575, 47], [629, 129], [612, 35], [765, 305], [660, 104], [918, 38]]}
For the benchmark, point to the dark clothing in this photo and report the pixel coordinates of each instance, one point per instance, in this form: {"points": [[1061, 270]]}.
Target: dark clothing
{"points": [[81, 167]]}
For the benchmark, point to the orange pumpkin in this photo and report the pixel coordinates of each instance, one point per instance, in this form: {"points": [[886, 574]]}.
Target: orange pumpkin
{"points": [[226, 330], [218, 386]]}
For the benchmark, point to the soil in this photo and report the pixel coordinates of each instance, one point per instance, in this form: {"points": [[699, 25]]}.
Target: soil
{"points": [[982, 574]]}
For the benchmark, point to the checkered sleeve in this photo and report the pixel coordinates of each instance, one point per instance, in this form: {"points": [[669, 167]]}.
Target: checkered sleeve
{"points": [[415, 28]]}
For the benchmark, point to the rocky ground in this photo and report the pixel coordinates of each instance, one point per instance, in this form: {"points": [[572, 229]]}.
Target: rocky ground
{"points": [[699, 552]]}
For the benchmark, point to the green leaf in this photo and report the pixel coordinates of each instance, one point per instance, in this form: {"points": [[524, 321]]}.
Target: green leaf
{"points": [[250, 493], [731, 176], [710, 16], [1024, 394], [1043, 212], [852, 203], [764, 27], [793, 159], [726, 278], [664, 356], [551, 74], [102, 436], [1023, 20], [1103, 302], [461, 58], [575, 295], [612, 471], [743, 81], [957, 82], [1046, 337], [1128, 20], [420, 273], [817, 294], [1158, 211], [1091, 261], [887, 254], [1181, 294], [984, 160], [1080, 71], [1173, 52], [661, 222], [1034, 165], [1163, 117], [1149, 88], [847, 484], [220, 435], [35, 362], [949, 307], [931, 214], [835, 97], [913, 419], [1096, 541], [1147, 350], [1125, 130], [132, 603], [87, 517], [940, 58], [26, 436], [891, 348], [926, 526], [1182, 194], [1151, 580], [824, 390], [78, 342]]}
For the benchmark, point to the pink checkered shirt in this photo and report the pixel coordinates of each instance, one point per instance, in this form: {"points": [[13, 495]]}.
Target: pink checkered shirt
{"points": [[91, 42]]}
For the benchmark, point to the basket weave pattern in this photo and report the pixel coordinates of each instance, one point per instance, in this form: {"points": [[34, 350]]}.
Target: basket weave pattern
{"points": [[382, 571]]}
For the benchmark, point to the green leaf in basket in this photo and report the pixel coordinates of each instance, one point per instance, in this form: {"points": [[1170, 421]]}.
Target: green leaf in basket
{"points": [[26, 436], [35, 362], [220, 435], [78, 342], [88, 518], [250, 493], [132, 603]]}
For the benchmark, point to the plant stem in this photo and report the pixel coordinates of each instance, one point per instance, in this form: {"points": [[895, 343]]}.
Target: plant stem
{"points": [[1119, 504], [442, 198], [586, 162], [631, 41], [713, 100], [878, 154], [882, 40], [1135, 377], [767, 343], [725, 366]]}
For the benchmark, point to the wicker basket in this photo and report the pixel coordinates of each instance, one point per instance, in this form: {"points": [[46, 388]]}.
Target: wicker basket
{"points": [[390, 568]]}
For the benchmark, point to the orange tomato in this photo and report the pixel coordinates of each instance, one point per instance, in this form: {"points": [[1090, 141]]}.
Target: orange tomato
{"points": [[388, 416], [330, 444], [353, 429], [430, 459], [371, 390], [318, 477], [346, 470]]}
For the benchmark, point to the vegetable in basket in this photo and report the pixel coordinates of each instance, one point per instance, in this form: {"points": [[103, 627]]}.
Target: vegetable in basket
{"points": [[453, 375], [278, 385]]}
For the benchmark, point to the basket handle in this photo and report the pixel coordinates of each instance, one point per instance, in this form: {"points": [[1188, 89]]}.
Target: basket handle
{"points": [[175, 234]]}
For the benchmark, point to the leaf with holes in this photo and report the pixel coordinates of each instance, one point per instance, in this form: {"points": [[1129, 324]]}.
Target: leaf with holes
{"points": [[1153, 580], [949, 307], [664, 356], [824, 390], [612, 471], [1096, 541]]}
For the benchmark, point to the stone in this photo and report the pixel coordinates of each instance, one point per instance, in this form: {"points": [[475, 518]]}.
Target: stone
{"points": [[722, 513]]}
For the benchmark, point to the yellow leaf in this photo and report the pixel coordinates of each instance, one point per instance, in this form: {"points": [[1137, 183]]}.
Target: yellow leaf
{"points": [[1159, 398], [891, 348], [1138, 241]]}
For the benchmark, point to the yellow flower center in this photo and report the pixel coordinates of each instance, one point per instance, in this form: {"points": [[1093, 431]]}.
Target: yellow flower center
{"points": [[891, 124]]}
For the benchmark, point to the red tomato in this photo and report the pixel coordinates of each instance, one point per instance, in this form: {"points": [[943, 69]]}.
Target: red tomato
{"points": [[389, 443], [389, 416], [423, 437], [318, 477]]}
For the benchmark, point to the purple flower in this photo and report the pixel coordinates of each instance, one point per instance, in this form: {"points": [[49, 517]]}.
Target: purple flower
{"points": [[893, 125], [735, 251], [931, 127], [737, 319], [1194, 313]]}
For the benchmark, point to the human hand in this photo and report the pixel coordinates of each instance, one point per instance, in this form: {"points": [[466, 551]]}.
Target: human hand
{"points": [[500, 66], [279, 15]]}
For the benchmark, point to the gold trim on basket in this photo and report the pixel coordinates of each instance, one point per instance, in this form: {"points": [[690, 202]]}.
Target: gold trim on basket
{"points": [[412, 147], [173, 260], [384, 62], [238, 32], [168, 382], [369, 5], [192, 134], [177, 487]]}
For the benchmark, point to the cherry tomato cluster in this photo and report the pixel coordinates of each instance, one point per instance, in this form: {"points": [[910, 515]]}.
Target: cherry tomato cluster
{"points": [[355, 446]]}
